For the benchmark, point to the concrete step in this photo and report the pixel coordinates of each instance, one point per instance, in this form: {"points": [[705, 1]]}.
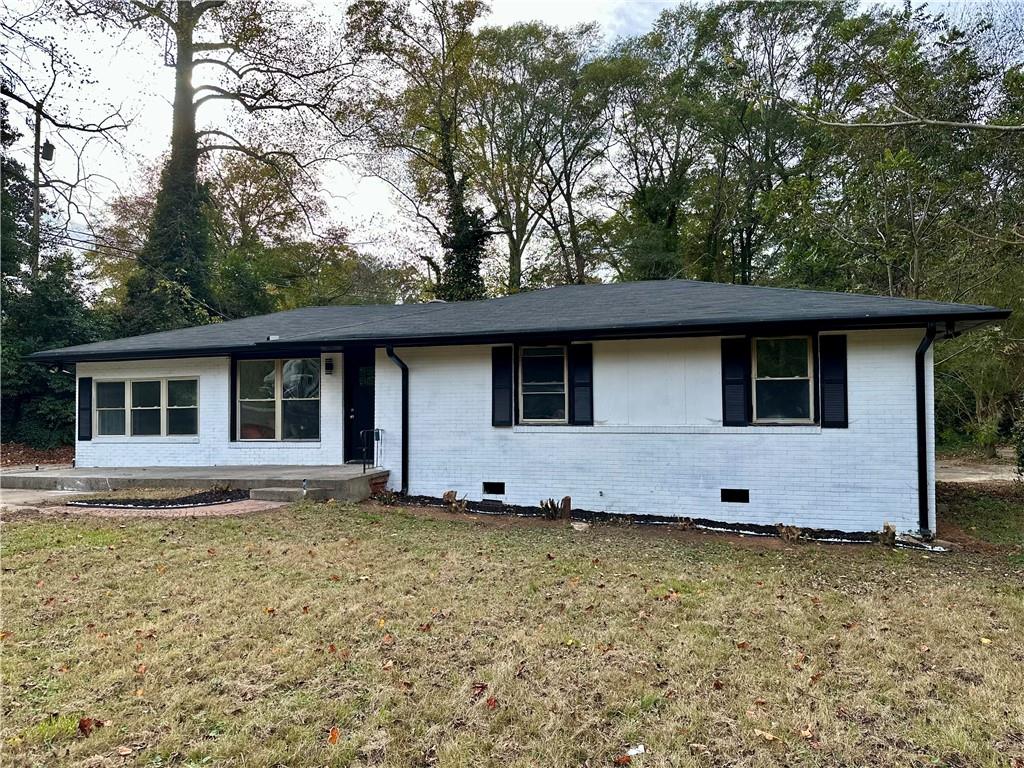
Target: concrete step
{"points": [[291, 494]]}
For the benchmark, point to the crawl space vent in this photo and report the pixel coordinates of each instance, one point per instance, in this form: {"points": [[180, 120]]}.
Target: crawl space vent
{"points": [[495, 489], [736, 495]]}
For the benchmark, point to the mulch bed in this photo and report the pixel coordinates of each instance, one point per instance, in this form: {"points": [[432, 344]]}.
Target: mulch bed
{"points": [[13, 454], [201, 499]]}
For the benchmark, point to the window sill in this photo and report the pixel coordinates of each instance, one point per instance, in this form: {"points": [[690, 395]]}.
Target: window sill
{"points": [[141, 439], [242, 444], [680, 429]]}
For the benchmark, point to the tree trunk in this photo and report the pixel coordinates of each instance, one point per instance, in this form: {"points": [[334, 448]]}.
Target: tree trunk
{"points": [[184, 143]]}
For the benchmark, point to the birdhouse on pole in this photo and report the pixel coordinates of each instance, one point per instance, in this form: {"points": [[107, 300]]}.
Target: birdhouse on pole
{"points": [[47, 150]]}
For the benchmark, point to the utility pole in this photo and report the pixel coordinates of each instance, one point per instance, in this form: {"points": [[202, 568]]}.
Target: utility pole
{"points": [[35, 190]]}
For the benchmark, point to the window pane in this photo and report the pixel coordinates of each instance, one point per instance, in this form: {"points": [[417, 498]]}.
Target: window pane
{"points": [[543, 369], [300, 378], [146, 421], [781, 358], [110, 394], [183, 421], [145, 394], [184, 392], [256, 379], [543, 407], [256, 421], [110, 422], [783, 399], [301, 420]]}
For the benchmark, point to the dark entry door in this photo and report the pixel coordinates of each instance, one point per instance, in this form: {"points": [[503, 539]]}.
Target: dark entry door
{"points": [[359, 369]]}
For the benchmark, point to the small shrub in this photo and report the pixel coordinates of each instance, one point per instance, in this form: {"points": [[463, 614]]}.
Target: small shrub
{"points": [[1017, 436], [790, 533], [887, 537], [386, 497]]}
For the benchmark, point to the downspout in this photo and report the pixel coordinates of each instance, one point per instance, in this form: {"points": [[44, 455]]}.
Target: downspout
{"points": [[405, 416], [922, 433]]}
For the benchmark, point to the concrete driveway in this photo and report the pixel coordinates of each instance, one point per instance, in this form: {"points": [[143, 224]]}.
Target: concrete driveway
{"points": [[14, 499]]}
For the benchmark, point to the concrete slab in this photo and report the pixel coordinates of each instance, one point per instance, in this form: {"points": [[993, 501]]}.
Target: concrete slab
{"points": [[960, 471], [348, 480], [13, 499], [291, 494]]}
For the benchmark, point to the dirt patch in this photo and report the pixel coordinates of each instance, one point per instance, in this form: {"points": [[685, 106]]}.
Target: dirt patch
{"points": [[15, 454]]}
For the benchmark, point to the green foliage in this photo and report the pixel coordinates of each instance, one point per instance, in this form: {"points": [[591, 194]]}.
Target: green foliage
{"points": [[41, 312], [171, 287]]}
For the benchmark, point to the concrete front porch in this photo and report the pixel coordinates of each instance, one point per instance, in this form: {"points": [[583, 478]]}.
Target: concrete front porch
{"points": [[346, 482]]}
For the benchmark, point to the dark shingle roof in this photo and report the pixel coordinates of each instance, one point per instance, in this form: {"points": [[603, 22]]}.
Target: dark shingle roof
{"points": [[609, 310]]}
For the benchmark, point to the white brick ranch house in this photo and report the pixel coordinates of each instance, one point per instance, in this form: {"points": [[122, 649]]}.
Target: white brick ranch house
{"points": [[670, 398]]}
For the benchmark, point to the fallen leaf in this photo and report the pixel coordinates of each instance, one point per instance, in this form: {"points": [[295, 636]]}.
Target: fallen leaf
{"points": [[765, 735], [492, 702], [986, 641], [334, 735], [124, 751], [388, 640], [806, 733], [270, 611], [86, 725], [141, 669], [425, 627], [622, 760], [305, 609], [743, 645], [332, 648], [717, 684], [478, 689]]}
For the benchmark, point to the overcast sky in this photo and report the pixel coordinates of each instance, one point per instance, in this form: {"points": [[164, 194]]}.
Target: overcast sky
{"points": [[129, 73]]}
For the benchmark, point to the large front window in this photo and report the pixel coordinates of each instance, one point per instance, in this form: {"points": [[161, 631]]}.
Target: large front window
{"points": [[783, 370], [543, 394], [279, 399]]}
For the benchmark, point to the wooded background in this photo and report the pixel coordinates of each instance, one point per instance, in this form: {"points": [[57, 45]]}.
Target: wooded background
{"points": [[806, 145]]}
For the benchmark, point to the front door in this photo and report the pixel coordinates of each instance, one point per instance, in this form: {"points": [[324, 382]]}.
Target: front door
{"points": [[359, 369]]}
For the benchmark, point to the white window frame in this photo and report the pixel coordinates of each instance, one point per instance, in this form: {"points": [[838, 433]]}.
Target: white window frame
{"points": [[809, 378], [96, 409], [167, 407], [128, 407], [279, 399], [565, 384]]}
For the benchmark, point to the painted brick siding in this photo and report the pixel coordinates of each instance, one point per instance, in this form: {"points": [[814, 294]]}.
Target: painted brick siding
{"points": [[213, 446], [658, 446]]}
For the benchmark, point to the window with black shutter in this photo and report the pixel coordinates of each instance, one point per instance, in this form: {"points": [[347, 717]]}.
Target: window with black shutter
{"points": [[85, 408], [832, 364], [502, 378], [581, 390], [735, 382]]}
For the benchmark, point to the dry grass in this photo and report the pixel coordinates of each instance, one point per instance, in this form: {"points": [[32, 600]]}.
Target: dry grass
{"points": [[243, 641]]}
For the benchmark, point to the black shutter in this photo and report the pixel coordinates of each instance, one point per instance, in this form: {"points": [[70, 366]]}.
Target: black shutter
{"points": [[581, 384], [502, 377], [233, 400], [85, 408], [832, 353], [736, 403]]}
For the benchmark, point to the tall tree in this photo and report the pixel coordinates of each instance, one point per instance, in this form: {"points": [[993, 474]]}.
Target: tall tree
{"points": [[42, 305], [415, 55], [254, 58]]}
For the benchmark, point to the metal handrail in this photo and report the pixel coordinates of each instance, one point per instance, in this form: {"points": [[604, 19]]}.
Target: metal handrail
{"points": [[365, 446]]}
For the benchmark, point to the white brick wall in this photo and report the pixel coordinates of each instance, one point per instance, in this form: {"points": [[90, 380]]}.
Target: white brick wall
{"points": [[212, 447], [658, 446]]}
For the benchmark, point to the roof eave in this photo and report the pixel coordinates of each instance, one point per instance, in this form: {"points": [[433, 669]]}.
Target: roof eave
{"points": [[960, 322]]}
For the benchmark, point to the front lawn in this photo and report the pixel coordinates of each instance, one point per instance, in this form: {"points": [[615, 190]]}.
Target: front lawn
{"points": [[340, 635]]}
